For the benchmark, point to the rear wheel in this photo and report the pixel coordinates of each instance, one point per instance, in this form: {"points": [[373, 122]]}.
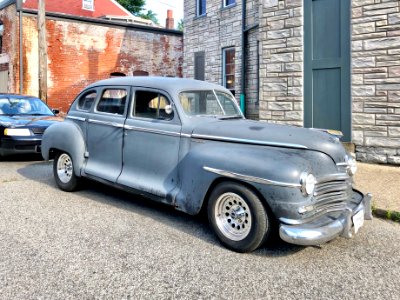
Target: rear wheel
{"points": [[238, 217], [63, 169]]}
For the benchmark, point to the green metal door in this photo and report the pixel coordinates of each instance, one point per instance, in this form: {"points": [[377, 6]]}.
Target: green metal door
{"points": [[327, 101]]}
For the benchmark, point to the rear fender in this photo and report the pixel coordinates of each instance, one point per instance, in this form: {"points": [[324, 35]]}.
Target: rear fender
{"points": [[66, 137]]}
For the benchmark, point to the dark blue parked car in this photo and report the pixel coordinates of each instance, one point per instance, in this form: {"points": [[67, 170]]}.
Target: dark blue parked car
{"points": [[23, 120]]}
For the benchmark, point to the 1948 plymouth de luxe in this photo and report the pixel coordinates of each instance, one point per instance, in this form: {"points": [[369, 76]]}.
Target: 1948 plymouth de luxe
{"points": [[186, 143]]}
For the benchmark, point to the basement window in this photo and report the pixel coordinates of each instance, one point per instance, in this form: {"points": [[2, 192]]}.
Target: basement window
{"points": [[229, 2], [228, 69], [88, 4]]}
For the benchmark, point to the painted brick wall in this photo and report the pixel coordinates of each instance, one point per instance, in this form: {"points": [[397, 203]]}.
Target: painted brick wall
{"points": [[376, 80], [80, 53], [221, 28]]}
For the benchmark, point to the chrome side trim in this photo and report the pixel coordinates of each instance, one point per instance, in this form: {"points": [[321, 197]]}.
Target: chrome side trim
{"points": [[76, 118], [251, 178], [246, 141], [149, 130], [342, 164], [186, 135], [105, 123]]}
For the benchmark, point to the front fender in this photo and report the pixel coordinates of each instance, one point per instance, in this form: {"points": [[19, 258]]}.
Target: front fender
{"points": [[67, 137], [278, 165]]}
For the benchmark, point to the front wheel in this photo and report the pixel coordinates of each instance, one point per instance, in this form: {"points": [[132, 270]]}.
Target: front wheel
{"points": [[238, 217], [63, 169]]}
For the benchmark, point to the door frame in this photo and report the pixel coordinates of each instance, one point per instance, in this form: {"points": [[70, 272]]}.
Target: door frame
{"points": [[345, 68]]}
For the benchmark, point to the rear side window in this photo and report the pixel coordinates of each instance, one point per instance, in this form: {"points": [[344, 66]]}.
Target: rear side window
{"points": [[86, 101], [113, 101]]}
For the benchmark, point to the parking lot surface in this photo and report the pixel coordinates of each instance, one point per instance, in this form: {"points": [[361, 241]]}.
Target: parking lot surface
{"points": [[101, 243]]}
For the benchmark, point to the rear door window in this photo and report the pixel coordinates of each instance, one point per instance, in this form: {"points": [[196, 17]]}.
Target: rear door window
{"points": [[151, 105]]}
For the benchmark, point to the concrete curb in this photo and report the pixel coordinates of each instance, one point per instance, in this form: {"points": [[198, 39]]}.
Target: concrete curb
{"points": [[386, 214]]}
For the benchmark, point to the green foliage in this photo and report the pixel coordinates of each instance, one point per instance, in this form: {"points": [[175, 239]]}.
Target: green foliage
{"points": [[134, 6], [393, 215], [180, 25], [150, 15]]}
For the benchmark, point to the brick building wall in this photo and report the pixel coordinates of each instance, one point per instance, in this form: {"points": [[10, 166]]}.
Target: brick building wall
{"points": [[222, 28], [81, 51], [376, 80], [9, 52]]}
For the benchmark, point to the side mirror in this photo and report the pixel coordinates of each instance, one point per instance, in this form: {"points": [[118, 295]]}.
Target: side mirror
{"points": [[168, 109], [55, 111]]}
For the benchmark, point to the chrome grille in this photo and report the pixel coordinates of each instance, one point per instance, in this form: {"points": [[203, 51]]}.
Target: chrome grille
{"points": [[38, 130], [331, 193]]}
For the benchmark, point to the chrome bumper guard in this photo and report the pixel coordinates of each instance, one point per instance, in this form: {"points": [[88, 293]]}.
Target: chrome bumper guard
{"points": [[326, 228]]}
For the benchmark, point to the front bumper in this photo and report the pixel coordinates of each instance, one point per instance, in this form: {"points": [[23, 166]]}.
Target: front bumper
{"points": [[20, 145], [327, 228]]}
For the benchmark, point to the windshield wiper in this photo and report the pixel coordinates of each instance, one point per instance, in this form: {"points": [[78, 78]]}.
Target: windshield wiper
{"points": [[231, 117], [206, 116]]}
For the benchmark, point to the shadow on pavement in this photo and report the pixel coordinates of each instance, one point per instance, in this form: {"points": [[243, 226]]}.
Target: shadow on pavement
{"points": [[21, 158], [196, 226]]}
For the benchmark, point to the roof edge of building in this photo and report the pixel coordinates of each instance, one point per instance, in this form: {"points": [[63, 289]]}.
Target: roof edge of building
{"points": [[103, 22]]}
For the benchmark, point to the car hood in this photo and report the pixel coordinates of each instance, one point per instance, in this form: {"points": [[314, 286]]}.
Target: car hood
{"points": [[28, 121], [261, 133]]}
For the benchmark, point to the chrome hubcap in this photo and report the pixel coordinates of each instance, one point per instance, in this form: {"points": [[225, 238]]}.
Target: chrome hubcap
{"points": [[64, 168], [233, 217]]}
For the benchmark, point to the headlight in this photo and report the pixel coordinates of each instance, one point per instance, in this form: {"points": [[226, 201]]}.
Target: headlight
{"points": [[17, 132], [352, 165], [307, 181]]}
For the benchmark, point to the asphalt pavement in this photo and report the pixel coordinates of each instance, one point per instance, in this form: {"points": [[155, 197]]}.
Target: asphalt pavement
{"points": [[101, 243]]}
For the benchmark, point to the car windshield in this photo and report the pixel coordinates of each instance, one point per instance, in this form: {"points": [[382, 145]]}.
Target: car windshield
{"points": [[23, 106], [209, 103]]}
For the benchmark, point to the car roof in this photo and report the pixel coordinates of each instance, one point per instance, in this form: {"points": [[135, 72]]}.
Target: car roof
{"points": [[17, 96], [169, 84]]}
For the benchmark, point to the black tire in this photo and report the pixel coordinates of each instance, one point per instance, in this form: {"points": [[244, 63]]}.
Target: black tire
{"points": [[63, 170], [238, 217]]}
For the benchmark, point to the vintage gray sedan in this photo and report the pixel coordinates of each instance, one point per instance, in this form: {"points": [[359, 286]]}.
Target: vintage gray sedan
{"points": [[186, 143]]}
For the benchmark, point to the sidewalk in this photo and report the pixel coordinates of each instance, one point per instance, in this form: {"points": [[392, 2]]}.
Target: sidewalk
{"points": [[384, 183]]}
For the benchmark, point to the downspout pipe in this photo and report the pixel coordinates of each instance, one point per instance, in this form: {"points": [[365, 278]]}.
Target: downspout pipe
{"points": [[21, 60], [244, 56]]}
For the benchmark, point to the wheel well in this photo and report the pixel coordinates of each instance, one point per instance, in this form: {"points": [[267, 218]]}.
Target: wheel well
{"points": [[53, 152], [246, 184]]}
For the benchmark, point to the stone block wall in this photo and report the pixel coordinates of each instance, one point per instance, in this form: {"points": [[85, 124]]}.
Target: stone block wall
{"points": [[376, 80], [218, 29], [281, 66]]}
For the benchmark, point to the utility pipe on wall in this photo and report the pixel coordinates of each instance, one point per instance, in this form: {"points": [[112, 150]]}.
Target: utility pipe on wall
{"points": [[21, 61], [243, 71]]}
